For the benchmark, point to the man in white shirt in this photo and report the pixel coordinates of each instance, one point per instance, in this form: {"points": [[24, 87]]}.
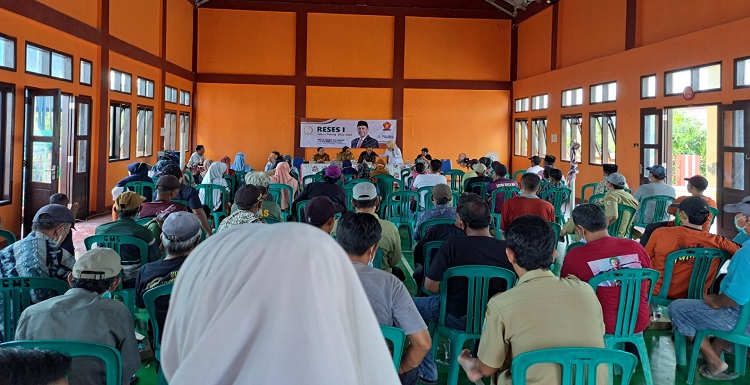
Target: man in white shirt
{"points": [[197, 158], [431, 179], [535, 166]]}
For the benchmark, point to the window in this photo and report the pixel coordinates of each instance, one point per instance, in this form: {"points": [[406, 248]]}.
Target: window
{"points": [[572, 97], [170, 131], [571, 132], [703, 78], [539, 136], [144, 132], [170, 94], [602, 138], [742, 72], [7, 52], [120, 81], [522, 105], [85, 75], [522, 137], [6, 142], [119, 131], [145, 88], [184, 98], [603, 93], [648, 87], [540, 102], [45, 62], [185, 131]]}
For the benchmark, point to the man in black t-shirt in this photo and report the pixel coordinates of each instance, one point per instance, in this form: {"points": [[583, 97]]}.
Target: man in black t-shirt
{"points": [[478, 247], [181, 233], [328, 188]]}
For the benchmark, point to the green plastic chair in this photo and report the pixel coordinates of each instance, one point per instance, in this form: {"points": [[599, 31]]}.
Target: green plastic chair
{"points": [[736, 335], [578, 364], [478, 295], [9, 237], [558, 196], [184, 203], [140, 189], [425, 226], [208, 200], [631, 284], [149, 299], [276, 191], [143, 221], [625, 215], [704, 260], [240, 175], [377, 261], [660, 204], [232, 186], [155, 179], [109, 355], [482, 186], [16, 294], [311, 178], [428, 251], [456, 178], [588, 186], [349, 195], [543, 183], [406, 178], [507, 193], [423, 192], [714, 213], [358, 180], [518, 175], [573, 246], [395, 208], [301, 210], [188, 178], [496, 218], [115, 242], [596, 199], [557, 229], [395, 337], [271, 220], [385, 184]]}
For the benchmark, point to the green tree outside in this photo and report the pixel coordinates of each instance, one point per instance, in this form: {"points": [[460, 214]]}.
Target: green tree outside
{"points": [[688, 138]]}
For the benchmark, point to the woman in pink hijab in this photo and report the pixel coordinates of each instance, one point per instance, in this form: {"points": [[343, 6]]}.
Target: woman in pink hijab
{"points": [[228, 162], [281, 175]]}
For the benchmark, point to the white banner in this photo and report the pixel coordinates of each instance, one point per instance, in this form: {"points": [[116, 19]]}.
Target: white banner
{"points": [[337, 133]]}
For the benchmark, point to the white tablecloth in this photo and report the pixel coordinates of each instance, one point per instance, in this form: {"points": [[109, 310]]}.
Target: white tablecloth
{"points": [[310, 169]]}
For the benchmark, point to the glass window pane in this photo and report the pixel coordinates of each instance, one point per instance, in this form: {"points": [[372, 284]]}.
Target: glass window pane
{"points": [[709, 78], [62, 67], [185, 132], [37, 60], [649, 130], [650, 156], [734, 128], [595, 140], [579, 96], [612, 91], [677, 81], [125, 133], [734, 170], [83, 119], [43, 115], [41, 163], [82, 155], [7, 53], [610, 134], [85, 76]]}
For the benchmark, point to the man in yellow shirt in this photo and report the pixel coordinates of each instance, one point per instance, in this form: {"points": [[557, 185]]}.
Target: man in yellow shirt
{"points": [[321, 156], [345, 154]]}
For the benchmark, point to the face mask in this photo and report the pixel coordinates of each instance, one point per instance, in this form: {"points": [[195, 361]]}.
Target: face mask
{"points": [[107, 294], [369, 264], [737, 226]]}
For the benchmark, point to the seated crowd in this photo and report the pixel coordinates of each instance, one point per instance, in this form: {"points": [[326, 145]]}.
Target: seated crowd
{"points": [[248, 296]]}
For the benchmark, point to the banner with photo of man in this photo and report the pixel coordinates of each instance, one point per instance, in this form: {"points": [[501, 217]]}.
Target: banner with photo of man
{"points": [[337, 133]]}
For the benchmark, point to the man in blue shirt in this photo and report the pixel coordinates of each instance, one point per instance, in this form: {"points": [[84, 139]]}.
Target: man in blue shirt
{"points": [[719, 311]]}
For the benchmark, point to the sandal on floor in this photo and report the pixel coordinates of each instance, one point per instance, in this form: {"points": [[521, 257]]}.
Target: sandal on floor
{"points": [[720, 376]]}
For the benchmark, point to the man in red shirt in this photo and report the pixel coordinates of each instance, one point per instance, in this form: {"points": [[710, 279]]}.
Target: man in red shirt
{"points": [[601, 254], [527, 203]]}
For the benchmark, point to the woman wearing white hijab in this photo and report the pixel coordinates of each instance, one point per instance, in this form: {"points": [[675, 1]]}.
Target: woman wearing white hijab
{"points": [[214, 175], [393, 153], [250, 307]]}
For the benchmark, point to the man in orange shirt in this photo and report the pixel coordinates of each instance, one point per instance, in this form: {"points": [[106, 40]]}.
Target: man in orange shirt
{"points": [[693, 212], [696, 185], [527, 203]]}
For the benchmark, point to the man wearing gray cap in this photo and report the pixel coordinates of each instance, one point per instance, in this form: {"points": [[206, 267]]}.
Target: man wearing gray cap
{"points": [[181, 233], [657, 175], [82, 314], [719, 311], [365, 200]]}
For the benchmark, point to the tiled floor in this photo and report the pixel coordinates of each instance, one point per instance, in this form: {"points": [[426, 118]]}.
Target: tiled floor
{"points": [[87, 228]]}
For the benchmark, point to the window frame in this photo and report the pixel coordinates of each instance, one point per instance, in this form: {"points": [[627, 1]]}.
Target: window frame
{"points": [[525, 104], [562, 94], [564, 152], [605, 92], [734, 70], [533, 137], [525, 142], [120, 104], [180, 93], [6, 141], [15, 53], [147, 80], [180, 114], [51, 51], [130, 92], [167, 91], [692, 78], [592, 140], [167, 128], [656, 83], [91, 72], [146, 154], [546, 106]]}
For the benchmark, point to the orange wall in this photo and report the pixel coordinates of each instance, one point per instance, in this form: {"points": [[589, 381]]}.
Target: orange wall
{"points": [[588, 29], [463, 49], [137, 22], [664, 19], [246, 42], [473, 124], [25, 30], [535, 44], [350, 46], [180, 33], [254, 119], [706, 46], [87, 11]]}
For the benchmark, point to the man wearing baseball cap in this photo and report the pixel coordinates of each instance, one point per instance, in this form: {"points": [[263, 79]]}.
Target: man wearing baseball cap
{"points": [[320, 212], [268, 208], [693, 212], [442, 196], [181, 234], [535, 166], [167, 188], [481, 170], [719, 311], [365, 200], [127, 206], [39, 254], [83, 314], [658, 186], [329, 187], [248, 199], [188, 194], [608, 169]]}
